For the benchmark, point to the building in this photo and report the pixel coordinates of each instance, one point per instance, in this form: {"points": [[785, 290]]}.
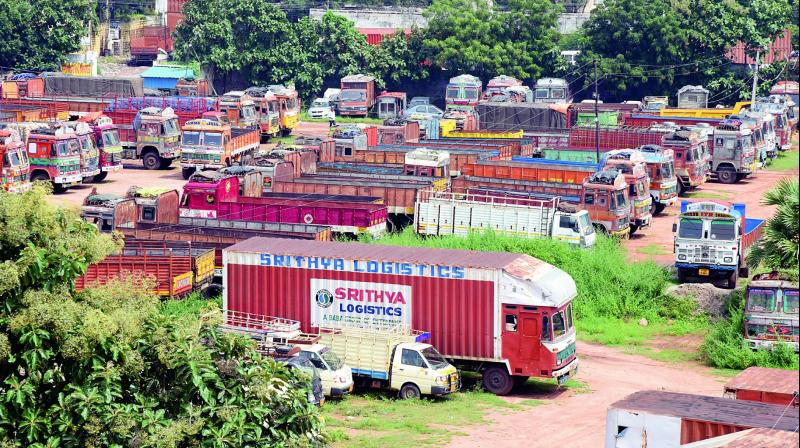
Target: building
{"points": [[166, 77]]}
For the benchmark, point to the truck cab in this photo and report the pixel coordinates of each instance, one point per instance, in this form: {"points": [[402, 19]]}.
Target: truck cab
{"points": [[391, 104], [771, 311], [14, 165], [552, 91], [55, 156], [631, 165], [109, 146], [239, 108], [762, 125], [90, 156], [498, 86], [288, 107], [660, 163], [605, 197], [337, 378], [107, 212], [157, 138], [427, 163], [357, 95], [733, 150], [573, 226], [691, 159], [204, 191], [779, 110], [463, 93], [211, 143], [267, 110]]}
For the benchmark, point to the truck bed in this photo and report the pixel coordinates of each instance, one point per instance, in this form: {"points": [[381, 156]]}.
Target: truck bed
{"points": [[753, 229], [244, 139]]}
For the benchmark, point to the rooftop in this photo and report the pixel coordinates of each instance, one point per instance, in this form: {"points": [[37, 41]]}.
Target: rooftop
{"points": [[169, 72], [766, 380]]}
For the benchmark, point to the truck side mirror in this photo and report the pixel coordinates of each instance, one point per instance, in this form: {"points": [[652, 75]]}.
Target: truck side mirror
{"points": [[674, 227]]}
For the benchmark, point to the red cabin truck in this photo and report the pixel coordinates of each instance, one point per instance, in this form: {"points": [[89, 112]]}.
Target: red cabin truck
{"points": [[109, 146], [357, 96], [507, 336], [55, 156], [691, 158], [214, 196], [14, 166]]}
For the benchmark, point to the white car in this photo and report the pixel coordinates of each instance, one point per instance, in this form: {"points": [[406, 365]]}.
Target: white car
{"points": [[320, 108]]}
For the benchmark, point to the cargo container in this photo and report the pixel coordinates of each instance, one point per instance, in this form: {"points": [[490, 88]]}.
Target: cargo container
{"points": [[176, 268], [109, 211], [303, 161], [509, 333], [398, 135], [765, 385], [771, 311], [324, 148], [155, 204], [750, 438], [659, 419], [445, 213]]}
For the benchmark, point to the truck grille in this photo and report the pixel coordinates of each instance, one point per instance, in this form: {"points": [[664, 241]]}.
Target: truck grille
{"points": [[704, 254]]}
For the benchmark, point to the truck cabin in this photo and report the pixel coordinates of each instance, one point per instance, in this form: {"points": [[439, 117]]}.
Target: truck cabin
{"points": [[771, 311], [153, 124], [654, 103], [689, 149], [519, 94], [266, 103], [552, 91], [733, 140], [239, 108], [89, 153], [660, 162], [632, 166], [463, 91], [105, 133], [14, 162], [204, 141], [498, 86], [708, 221], [288, 101], [155, 204], [391, 104], [205, 190], [109, 211], [427, 163], [605, 196]]}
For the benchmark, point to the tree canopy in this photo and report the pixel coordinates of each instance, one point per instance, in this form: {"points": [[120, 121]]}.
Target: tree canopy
{"points": [[104, 367]]}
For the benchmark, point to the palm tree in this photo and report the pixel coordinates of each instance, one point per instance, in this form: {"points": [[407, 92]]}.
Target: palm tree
{"points": [[778, 247]]}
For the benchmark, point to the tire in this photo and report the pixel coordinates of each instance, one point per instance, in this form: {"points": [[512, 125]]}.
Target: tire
{"points": [[187, 173], [727, 176], [410, 392], [599, 228], [497, 381], [730, 283], [165, 163], [151, 161], [285, 132], [682, 275], [681, 189], [634, 228], [659, 209], [100, 177]]}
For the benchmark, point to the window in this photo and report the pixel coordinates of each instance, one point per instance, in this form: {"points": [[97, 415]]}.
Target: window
{"points": [[211, 199], [348, 150], [412, 358], [559, 325], [761, 300], [191, 138], [471, 93], [565, 222], [723, 230], [434, 358], [557, 93], [790, 302], [212, 138], [620, 201], [678, 154], [588, 199], [691, 228], [569, 316], [315, 360], [148, 213], [330, 357], [452, 93], [511, 323], [32, 148], [541, 94], [546, 336]]}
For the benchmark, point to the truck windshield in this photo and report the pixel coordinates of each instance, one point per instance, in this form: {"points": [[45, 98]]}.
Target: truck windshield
{"points": [[434, 358], [248, 111], [273, 107], [320, 103], [191, 138], [790, 302], [559, 325], [111, 137], [761, 300], [691, 228], [331, 359], [212, 138], [452, 93], [11, 159], [723, 230], [668, 170], [471, 93], [291, 103], [620, 200], [351, 95], [541, 94], [171, 126], [86, 144]]}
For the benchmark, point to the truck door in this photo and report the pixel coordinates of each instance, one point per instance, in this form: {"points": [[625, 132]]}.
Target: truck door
{"points": [[521, 337]]}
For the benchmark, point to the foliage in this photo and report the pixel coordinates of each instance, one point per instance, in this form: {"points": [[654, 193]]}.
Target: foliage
{"points": [[472, 36], [779, 247], [105, 368], [37, 34], [193, 306]]}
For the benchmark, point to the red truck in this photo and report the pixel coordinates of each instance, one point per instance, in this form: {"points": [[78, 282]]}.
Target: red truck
{"points": [[357, 95], [14, 166], [106, 137], [218, 197], [456, 296], [765, 385]]}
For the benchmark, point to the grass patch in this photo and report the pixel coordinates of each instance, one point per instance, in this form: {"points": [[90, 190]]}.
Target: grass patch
{"points": [[192, 305], [665, 355], [286, 140], [704, 194], [786, 161], [653, 249], [340, 119]]}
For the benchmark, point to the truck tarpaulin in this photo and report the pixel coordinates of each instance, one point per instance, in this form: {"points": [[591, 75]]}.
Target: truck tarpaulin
{"points": [[516, 116], [93, 87]]}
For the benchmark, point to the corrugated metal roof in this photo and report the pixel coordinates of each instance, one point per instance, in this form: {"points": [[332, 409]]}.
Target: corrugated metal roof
{"points": [[168, 72], [766, 380], [361, 251], [749, 414], [779, 50], [750, 438]]}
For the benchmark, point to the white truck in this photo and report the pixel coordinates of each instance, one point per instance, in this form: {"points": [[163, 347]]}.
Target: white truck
{"points": [[282, 337], [446, 213], [394, 359]]}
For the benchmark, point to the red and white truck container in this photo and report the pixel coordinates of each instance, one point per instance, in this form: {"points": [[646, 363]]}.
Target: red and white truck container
{"points": [[765, 385], [508, 316]]}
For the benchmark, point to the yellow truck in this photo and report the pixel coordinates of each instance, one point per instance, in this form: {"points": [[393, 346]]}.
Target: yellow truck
{"points": [[394, 358]]}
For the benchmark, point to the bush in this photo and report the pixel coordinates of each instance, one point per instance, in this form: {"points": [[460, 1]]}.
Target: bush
{"points": [[608, 285]]}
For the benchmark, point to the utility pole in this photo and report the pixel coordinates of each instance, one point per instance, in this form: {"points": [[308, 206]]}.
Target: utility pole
{"points": [[596, 117], [755, 78]]}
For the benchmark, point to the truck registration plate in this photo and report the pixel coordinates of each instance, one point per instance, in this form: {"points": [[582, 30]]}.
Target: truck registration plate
{"points": [[702, 272]]}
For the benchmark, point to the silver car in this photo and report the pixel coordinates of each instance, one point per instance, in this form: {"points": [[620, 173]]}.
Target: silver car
{"points": [[422, 112]]}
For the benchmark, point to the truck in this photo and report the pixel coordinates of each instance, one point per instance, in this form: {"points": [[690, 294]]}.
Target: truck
{"points": [[778, 109], [765, 385], [630, 164], [212, 144], [712, 112], [733, 155], [357, 95], [506, 333], [152, 136], [14, 166], [763, 131], [169, 269], [90, 156], [422, 162], [109, 146], [552, 91], [54, 154], [463, 93], [692, 157], [789, 93], [498, 86], [771, 311], [108, 211], [395, 358], [711, 239], [289, 107], [390, 104], [267, 111], [238, 109], [446, 213], [213, 196]]}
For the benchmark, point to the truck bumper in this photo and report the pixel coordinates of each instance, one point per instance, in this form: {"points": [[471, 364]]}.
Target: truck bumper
{"points": [[642, 222], [566, 372], [20, 188], [341, 391], [88, 174], [621, 233], [111, 168], [756, 344], [202, 166], [68, 180], [706, 270]]}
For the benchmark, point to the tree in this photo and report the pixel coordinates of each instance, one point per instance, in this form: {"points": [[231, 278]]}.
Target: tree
{"points": [[37, 34], [341, 49], [105, 368], [779, 247], [397, 59], [471, 36]]}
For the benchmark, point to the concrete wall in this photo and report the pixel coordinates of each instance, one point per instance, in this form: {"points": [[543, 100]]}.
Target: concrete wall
{"points": [[378, 18]]}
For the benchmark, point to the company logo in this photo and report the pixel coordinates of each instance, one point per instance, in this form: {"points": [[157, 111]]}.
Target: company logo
{"points": [[227, 186], [324, 298]]}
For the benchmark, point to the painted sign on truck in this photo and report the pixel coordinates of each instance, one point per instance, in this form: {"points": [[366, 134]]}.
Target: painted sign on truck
{"points": [[359, 304]]}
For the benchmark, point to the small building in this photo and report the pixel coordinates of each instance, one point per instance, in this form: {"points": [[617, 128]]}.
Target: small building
{"points": [[166, 77]]}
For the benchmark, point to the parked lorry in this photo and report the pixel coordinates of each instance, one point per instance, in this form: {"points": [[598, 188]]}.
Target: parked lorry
{"points": [[507, 333], [771, 312], [213, 196], [14, 166], [421, 162], [733, 156], [789, 93], [778, 109], [711, 239], [765, 385], [390, 104], [357, 95], [238, 109], [630, 164], [395, 358], [692, 157], [463, 93], [498, 86], [661, 419], [108, 211], [763, 132], [552, 91], [109, 146], [90, 156], [175, 268], [267, 110], [153, 136], [209, 143], [446, 213], [54, 155], [289, 107], [660, 162]]}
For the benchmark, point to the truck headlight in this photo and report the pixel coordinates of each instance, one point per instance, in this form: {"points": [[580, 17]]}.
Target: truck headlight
{"points": [[681, 257], [728, 259], [441, 380]]}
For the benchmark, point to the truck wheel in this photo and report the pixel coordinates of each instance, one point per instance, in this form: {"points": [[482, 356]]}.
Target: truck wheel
{"points": [[520, 381], [682, 275], [634, 228], [151, 161], [658, 208], [165, 163], [286, 132], [497, 381], [187, 173], [409, 392], [100, 177], [731, 282], [681, 189], [726, 175]]}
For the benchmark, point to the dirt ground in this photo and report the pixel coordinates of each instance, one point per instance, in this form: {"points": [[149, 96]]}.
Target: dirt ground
{"points": [[576, 419]]}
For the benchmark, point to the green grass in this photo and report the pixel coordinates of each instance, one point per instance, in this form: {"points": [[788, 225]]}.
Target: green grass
{"points": [[786, 161], [287, 140], [628, 333], [703, 194], [666, 355], [192, 305], [653, 249], [341, 120]]}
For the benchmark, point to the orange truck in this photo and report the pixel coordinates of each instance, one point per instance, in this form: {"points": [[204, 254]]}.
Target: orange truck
{"points": [[209, 143]]}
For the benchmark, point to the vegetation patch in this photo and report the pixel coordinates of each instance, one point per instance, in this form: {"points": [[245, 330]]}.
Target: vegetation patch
{"points": [[705, 194], [653, 249], [786, 161]]}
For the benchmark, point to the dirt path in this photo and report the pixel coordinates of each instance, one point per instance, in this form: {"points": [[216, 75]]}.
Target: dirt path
{"points": [[576, 419]]}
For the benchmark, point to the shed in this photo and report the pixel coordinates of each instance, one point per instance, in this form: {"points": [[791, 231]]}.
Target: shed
{"points": [[776, 386], [164, 77]]}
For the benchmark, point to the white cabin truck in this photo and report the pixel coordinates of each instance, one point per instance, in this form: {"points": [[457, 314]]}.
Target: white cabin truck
{"points": [[445, 213], [427, 162]]}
